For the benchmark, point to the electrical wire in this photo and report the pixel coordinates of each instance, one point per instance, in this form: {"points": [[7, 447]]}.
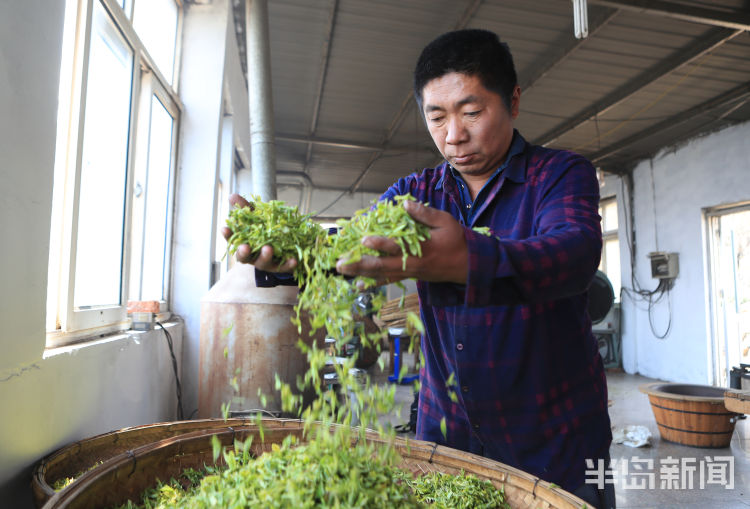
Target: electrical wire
{"points": [[637, 292], [665, 285], [698, 64], [180, 411]]}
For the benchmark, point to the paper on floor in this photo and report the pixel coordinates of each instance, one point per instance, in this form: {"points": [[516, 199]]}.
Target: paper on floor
{"points": [[632, 435]]}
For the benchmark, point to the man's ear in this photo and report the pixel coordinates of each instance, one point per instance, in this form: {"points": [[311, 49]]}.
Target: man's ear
{"points": [[515, 102]]}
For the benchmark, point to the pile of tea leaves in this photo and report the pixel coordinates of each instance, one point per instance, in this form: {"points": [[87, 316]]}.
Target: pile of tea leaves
{"points": [[318, 475], [64, 482]]}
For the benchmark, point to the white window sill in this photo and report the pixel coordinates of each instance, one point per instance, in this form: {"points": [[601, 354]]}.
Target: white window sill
{"points": [[102, 339]]}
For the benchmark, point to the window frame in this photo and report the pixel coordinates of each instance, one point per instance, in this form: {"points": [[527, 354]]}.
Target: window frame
{"points": [[64, 323], [609, 235], [225, 186], [152, 88]]}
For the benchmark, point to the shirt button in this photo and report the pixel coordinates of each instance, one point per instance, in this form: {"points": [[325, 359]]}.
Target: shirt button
{"points": [[465, 388], [460, 346], [475, 425]]}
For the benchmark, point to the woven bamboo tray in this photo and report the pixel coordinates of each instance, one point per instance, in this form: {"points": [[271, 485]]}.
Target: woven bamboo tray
{"points": [[127, 475], [78, 457]]}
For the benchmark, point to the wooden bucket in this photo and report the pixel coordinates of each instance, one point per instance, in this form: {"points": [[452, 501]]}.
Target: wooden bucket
{"points": [[737, 401], [78, 457], [692, 415], [128, 475]]}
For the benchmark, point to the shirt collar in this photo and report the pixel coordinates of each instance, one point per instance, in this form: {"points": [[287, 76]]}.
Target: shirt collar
{"points": [[515, 172]]}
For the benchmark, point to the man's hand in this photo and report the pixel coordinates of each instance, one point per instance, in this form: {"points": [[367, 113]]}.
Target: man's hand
{"points": [[445, 256], [264, 259]]}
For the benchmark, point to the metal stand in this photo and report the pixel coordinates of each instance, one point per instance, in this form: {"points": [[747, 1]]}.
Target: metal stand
{"points": [[396, 333]]}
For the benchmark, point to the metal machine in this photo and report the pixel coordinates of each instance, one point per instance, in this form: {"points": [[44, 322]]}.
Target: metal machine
{"points": [[605, 320]]}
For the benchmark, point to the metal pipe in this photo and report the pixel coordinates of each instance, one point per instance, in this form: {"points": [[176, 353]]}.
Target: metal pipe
{"points": [[263, 153], [301, 179]]}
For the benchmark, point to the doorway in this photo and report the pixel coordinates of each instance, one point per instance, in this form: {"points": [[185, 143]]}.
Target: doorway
{"points": [[729, 255]]}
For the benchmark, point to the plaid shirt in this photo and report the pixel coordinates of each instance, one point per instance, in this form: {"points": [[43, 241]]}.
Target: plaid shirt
{"points": [[529, 381]]}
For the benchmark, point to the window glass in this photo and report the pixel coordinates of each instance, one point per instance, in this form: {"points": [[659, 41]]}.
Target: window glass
{"points": [[610, 260], [104, 157], [155, 21], [157, 202], [609, 215], [612, 255]]}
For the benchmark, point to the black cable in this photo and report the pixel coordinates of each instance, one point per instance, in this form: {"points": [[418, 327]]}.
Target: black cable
{"points": [[180, 412], [665, 286], [637, 292]]}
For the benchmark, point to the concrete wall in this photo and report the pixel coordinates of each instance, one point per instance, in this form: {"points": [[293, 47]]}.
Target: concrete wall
{"points": [[50, 400], [670, 193]]}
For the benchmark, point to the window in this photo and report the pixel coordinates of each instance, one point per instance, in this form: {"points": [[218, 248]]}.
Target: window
{"points": [[729, 282], [226, 185], [156, 23], [610, 261], [152, 195], [114, 168]]}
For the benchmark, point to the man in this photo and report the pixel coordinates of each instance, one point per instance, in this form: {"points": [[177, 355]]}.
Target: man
{"points": [[505, 315]]}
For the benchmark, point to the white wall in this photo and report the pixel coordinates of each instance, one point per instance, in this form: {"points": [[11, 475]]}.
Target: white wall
{"points": [[28, 108], [705, 172], [49, 401], [79, 392]]}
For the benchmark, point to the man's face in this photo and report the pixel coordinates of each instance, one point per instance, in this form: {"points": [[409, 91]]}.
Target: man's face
{"points": [[469, 124]]}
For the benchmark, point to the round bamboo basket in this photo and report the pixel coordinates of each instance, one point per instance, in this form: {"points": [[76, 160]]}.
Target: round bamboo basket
{"points": [[78, 457], [127, 475], [693, 415]]}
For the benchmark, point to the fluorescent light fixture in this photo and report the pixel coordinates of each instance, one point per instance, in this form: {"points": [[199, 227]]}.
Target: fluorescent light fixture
{"points": [[580, 19]]}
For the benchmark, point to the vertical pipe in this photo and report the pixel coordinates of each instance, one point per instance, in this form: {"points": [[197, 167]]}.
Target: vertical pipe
{"points": [[263, 154]]}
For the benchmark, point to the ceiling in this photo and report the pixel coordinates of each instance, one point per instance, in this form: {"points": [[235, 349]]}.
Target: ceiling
{"points": [[649, 75]]}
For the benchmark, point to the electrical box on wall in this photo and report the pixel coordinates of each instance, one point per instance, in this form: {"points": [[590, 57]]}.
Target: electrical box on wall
{"points": [[664, 265]]}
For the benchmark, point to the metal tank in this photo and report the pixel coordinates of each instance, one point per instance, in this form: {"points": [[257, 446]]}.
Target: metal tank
{"points": [[247, 332]]}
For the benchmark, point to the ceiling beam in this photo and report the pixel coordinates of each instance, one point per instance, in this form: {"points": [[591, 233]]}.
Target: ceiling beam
{"points": [[737, 19], [401, 113], [348, 144], [322, 75], [673, 62], [563, 47], [735, 94]]}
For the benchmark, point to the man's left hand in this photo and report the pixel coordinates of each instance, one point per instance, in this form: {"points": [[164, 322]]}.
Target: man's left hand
{"points": [[445, 256]]}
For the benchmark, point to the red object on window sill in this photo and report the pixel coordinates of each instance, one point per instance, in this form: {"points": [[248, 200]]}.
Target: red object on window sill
{"points": [[143, 306]]}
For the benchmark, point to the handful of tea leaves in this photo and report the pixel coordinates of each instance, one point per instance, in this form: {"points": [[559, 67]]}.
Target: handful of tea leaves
{"points": [[289, 233]]}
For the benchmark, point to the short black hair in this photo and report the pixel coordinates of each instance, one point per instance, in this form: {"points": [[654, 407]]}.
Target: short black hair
{"points": [[473, 52]]}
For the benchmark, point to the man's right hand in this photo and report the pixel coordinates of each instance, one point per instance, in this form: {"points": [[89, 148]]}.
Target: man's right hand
{"points": [[264, 259]]}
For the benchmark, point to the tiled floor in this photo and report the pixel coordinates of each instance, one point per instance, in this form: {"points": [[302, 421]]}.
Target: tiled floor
{"points": [[631, 407]]}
